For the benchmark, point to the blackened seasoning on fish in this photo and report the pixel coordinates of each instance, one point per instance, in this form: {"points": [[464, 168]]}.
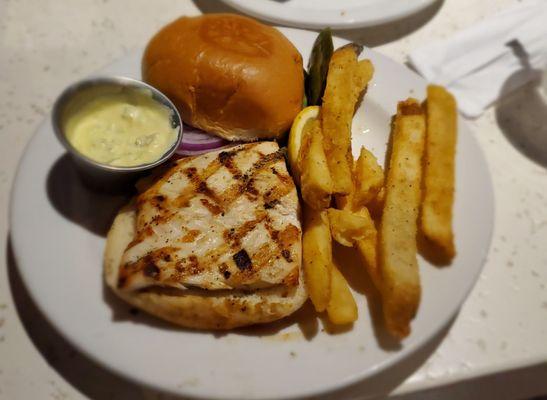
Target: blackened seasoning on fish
{"points": [[151, 270], [242, 260]]}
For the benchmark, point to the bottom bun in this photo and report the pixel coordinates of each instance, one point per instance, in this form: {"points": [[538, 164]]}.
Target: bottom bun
{"points": [[198, 308]]}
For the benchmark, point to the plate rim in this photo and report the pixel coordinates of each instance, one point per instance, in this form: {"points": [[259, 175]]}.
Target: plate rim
{"points": [[277, 13]]}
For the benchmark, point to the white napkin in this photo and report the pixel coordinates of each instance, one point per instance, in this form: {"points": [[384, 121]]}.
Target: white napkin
{"points": [[489, 59]]}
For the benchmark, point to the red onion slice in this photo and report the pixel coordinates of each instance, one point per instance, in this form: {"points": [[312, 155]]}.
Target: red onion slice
{"points": [[195, 141]]}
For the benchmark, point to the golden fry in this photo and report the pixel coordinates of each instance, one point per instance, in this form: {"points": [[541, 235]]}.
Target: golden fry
{"points": [[401, 289], [316, 183], [342, 308], [369, 178], [367, 248], [317, 257], [363, 75], [346, 227], [337, 113], [344, 201], [440, 150], [376, 205]]}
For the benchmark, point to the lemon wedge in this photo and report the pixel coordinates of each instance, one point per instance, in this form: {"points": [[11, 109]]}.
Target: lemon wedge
{"points": [[295, 137]]}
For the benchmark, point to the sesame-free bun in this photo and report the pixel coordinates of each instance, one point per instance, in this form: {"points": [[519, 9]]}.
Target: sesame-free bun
{"points": [[228, 75]]}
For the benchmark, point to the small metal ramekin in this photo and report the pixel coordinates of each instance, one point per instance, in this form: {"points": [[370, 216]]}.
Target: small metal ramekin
{"points": [[100, 176]]}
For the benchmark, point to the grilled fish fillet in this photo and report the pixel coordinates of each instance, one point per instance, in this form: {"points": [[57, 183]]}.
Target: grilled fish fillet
{"points": [[221, 228]]}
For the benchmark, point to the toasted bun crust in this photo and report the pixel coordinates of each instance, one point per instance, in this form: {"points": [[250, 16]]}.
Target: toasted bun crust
{"points": [[195, 308], [228, 75]]}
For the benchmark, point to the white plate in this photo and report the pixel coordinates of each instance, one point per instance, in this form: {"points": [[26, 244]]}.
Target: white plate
{"points": [[55, 226], [339, 14]]}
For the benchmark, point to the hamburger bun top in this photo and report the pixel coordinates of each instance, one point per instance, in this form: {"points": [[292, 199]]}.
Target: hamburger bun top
{"points": [[228, 75]]}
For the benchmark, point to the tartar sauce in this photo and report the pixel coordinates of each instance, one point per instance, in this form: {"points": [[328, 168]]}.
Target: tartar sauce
{"points": [[122, 129]]}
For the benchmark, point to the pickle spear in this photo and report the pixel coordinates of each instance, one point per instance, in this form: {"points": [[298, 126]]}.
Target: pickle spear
{"points": [[318, 67]]}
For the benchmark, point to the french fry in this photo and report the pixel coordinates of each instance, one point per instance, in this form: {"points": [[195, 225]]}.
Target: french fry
{"points": [[342, 308], [369, 178], [366, 247], [440, 149], [344, 201], [346, 227], [362, 76], [317, 257], [401, 289], [316, 183], [376, 205], [337, 114]]}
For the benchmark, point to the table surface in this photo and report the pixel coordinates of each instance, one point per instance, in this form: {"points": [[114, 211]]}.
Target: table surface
{"points": [[496, 346]]}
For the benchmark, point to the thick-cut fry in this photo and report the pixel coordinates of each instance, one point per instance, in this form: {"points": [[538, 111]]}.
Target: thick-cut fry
{"points": [[317, 257], [440, 149], [369, 178], [337, 114], [342, 308], [399, 267], [363, 75], [346, 227], [316, 182], [366, 247], [344, 201]]}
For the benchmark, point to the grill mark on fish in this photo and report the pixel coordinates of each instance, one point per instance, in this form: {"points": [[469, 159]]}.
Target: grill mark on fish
{"points": [[152, 194], [292, 278], [197, 184], [214, 204], [242, 260], [204, 189], [212, 256], [186, 267], [190, 236], [151, 270], [247, 180], [213, 208], [234, 235], [277, 193], [284, 179], [250, 191], [141, 235], [165, 176], [148, 265], [223, 268], [284, 240], [265, 256], [225, 157], [288, 236], [271, 204], [286, 255]]}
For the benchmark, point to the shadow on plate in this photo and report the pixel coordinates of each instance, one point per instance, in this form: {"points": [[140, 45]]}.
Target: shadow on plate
{"points": [[97, 382], [369, 36], [210, 7], [123, 312], [84, 374], [373, 36], [71, 198], [350, 265]]}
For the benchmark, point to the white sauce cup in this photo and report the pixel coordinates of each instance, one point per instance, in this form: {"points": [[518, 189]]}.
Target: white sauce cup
{"points": [[97, 175]]}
